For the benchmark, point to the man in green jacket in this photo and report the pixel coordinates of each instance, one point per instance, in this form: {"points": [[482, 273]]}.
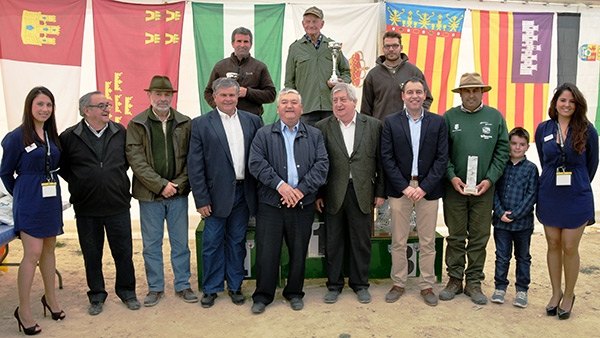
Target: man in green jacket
{"points": [[309, 68], [156, 147], [478, 149]]}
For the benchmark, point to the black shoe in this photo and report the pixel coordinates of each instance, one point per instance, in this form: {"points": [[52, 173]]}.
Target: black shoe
{"points": [[208, 299], [237, 297], [296, 303], [95, 308], [29, 331], [258, 308], [551, 310], [562, 314], [132, 304], [60, 315]]}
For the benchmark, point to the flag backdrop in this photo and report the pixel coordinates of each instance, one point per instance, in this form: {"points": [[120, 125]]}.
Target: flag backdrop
{"points": [[513, 53], [34, 38], [431, 39], [133, 43], [588, 67], [213, 24]]}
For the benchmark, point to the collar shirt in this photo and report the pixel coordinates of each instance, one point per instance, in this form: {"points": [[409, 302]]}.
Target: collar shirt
{"points": [[235, 140], [348, 135], [316, 44], [415, 137], [289, 136], [97, 133], [474, 111], [163, 122]]}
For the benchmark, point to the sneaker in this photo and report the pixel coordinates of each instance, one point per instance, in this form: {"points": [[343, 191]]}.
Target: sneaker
{"points": [[477, 296], [132, 304], [331, 296], [453, 288], [153, 297], [429, 297], [498, 296], [187, 295], [363, 296], [394, 294], [521, 299]]}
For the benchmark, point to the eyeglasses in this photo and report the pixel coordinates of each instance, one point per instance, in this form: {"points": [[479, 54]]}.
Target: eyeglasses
{"points": [[394, 46], [101, 106]]}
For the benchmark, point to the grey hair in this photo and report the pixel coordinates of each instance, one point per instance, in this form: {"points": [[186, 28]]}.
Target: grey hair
{"points": [[241, 31], [225, 82], [85, 100], [286, 91], [346, 88]]}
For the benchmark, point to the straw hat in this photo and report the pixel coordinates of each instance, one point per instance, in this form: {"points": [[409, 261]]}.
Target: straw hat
{"points": [[472, 80], [161, 83]]}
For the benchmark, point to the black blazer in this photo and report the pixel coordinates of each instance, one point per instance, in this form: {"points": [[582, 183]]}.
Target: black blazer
{"points": [[397, 155]]}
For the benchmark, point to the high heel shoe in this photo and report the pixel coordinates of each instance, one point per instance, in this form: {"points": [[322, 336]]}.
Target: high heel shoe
{"points": [[551, 310], [55, 315], [562, 314], [29, 331]]}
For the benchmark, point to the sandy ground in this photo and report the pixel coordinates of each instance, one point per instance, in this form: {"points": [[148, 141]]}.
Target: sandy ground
{"points": [[409, 317]]}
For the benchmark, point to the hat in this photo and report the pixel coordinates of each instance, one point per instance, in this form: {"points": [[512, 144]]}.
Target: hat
{"points": [[472, 80], [161, 83], [314, 11]]}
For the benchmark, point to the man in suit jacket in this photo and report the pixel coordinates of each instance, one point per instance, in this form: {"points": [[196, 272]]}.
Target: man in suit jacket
{"points": [[354, 185], [414, 155], [224, 191]]}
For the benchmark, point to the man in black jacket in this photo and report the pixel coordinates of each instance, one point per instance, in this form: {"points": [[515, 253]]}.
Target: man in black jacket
{"points": [[93, 162]]}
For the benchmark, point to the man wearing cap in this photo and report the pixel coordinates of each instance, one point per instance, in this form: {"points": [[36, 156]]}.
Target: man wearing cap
{"points": [[224, 191], [93, 162], [309, 68], [157, 146], [256, 86], [382, 94], [478, 144]]}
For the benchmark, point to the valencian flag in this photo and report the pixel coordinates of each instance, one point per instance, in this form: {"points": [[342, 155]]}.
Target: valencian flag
{"points": [[431, 39], [133, 43], [512, 53], [213, 24], [41, 45]]}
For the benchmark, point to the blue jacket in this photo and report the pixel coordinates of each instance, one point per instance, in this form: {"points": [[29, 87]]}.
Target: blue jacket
{"points": [[268, 162]]}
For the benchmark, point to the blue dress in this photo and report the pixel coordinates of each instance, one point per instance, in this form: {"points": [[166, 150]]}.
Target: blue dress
{"points": [[571, 206], [35, 215]]}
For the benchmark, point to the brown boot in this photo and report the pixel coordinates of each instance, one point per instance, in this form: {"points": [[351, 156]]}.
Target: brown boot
{"points": [[453, 288]]}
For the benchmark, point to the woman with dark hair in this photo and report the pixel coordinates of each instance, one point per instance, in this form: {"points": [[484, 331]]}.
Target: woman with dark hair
{"points": [[32, 152], [567, 145]]}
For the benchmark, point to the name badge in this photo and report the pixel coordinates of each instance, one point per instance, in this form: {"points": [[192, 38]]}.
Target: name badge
{"points": [[548, 137], [48, 189], [30, 147], [563, 178]]}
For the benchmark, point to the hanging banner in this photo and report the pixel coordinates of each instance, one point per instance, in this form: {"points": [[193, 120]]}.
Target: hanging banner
{"points": [[134, 42]]}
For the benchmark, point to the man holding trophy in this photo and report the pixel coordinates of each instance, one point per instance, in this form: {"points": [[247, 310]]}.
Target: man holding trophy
{"points": [[314, 65], [478, 149]]}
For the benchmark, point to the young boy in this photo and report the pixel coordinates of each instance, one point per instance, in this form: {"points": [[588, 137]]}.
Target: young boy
{"points": [[515, 195]]}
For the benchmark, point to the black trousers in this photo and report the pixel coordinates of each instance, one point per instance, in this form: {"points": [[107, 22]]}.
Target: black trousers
{"points": [[91, 239], [348, 234], [273, 225]]}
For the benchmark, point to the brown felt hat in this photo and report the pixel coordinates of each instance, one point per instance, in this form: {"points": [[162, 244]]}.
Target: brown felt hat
{"points": [[161, 83], [472, 80], [314, 11]]}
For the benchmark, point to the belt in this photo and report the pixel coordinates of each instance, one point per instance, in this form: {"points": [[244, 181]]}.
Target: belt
{"points": [[239, 182], [414, 178]]}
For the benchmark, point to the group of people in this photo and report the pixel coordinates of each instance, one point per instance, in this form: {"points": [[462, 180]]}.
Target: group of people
{"points": [[321, 155]]}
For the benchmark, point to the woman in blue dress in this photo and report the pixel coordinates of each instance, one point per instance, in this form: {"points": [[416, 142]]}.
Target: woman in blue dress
{"points": [[567, 145], [32, 152]]}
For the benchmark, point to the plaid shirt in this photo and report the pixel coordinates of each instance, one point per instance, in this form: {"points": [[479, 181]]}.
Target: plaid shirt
{"points": [[516, 191]]}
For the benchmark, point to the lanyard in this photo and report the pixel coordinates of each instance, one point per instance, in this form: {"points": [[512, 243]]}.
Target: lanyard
{"points": [[47, 166], [561, 143]]}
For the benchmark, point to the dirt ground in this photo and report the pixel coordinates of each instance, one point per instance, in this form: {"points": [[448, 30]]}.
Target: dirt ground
{"points": [[409, 317]]}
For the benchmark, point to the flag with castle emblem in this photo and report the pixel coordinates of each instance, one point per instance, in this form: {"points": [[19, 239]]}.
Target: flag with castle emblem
{"points": [[34, 38], [133, 43]]}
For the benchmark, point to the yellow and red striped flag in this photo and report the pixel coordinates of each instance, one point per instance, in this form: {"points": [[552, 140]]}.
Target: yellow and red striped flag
{"points": [[431, 39], [512, 53]]}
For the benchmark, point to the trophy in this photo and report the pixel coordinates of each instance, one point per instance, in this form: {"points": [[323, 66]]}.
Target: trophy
{"points": [[336, 47], [471, 184]]}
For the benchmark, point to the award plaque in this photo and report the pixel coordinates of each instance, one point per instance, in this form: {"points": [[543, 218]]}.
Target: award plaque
{"points": [[335, 47], [471, 184]]}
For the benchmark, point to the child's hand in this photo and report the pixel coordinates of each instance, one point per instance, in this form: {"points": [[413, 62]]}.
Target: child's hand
{"points": [[505, 218]]}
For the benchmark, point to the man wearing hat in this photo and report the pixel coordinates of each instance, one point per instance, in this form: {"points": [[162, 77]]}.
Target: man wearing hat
{"points": [[157, 146], [478, 145], [309, 66]]}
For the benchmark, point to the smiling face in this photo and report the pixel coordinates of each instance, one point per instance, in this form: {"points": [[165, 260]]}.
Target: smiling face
{"points": [[471, 97], [97, 113], [413, 95], [344, 107], [289, 108], [41, 108], [312, 26], [226, 99], [566, 105]]}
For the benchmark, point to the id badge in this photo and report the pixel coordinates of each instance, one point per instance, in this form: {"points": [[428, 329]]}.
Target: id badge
{"points": [[48, 189], [563, 178]]}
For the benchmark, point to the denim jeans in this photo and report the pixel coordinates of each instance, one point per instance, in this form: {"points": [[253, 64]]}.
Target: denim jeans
{"points": [[505, 240], [152, 217], [224, 247]]}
